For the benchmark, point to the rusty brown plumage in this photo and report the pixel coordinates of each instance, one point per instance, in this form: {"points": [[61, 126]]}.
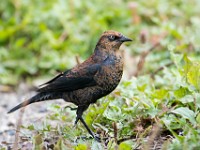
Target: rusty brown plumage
{"points": [[84, 84]]}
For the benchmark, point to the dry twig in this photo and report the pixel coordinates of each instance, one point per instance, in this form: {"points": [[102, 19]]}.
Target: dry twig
{"points": [[160, 69], [142, 59]]}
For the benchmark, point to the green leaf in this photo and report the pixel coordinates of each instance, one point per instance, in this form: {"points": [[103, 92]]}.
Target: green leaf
{"points": [[193, 75], [81, 147], [113, 113], [31, 127], [197, 97], [198, 118], [187, 65], [160, 94], [38, 141], [185, 113], [176, 57], [181, 92], [96, 145], [60, 145], [187, 99], [125, 146], [142, 87]]}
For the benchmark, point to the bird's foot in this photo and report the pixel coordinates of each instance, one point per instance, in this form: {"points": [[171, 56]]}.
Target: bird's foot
{"points": [[76, 121], [71, 108], [101, 138], [97, 138]]}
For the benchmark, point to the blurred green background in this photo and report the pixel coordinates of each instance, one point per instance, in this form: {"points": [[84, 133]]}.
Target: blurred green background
{"points": [[39, 38]]}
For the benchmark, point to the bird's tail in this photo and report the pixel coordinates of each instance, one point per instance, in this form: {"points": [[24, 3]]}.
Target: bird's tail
{"points": [[37, 98]]}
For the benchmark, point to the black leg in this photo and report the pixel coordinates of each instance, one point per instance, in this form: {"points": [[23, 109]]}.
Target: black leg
{"points": [[79, 114]]}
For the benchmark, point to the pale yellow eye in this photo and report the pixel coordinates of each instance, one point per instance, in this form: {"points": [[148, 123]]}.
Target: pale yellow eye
{"points": [[112, 37]]}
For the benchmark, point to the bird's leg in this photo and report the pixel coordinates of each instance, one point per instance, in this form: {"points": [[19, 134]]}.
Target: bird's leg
{"points": [[79, 114], [76, 121]]}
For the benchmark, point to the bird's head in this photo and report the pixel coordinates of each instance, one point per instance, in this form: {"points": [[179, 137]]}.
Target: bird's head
{"points": [[112, 40]]}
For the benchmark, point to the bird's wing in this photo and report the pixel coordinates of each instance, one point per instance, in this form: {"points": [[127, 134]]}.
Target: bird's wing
{"points": [[56, 77], [72, 80]]}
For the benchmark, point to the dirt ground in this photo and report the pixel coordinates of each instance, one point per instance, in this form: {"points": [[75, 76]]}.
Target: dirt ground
{"points": [[32, 114]]}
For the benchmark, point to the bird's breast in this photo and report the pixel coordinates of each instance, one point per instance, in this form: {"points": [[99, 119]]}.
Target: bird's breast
{"points": [[110, 74]]}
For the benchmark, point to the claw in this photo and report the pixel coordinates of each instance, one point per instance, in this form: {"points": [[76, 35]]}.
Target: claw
{"points": [[76, 121], [71, 108], [97, 138]]}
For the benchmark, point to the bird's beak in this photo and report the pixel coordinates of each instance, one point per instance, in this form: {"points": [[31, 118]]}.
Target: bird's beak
{"points": [[124, 39]]}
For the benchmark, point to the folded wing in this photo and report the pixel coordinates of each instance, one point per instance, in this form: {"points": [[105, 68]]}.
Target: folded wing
{"points": [[72, 80]]}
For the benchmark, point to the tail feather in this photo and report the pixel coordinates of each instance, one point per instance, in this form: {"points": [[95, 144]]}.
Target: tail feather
{"points": [[37, 98]]}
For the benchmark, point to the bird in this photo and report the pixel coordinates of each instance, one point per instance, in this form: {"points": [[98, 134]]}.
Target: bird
{"points": [[87, 82]]}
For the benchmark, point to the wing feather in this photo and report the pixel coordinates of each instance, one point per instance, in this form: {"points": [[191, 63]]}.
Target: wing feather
{"points": [[70, 80]]}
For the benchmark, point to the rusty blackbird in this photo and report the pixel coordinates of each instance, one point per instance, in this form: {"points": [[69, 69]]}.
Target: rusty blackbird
{"points": [[84, 84]]}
